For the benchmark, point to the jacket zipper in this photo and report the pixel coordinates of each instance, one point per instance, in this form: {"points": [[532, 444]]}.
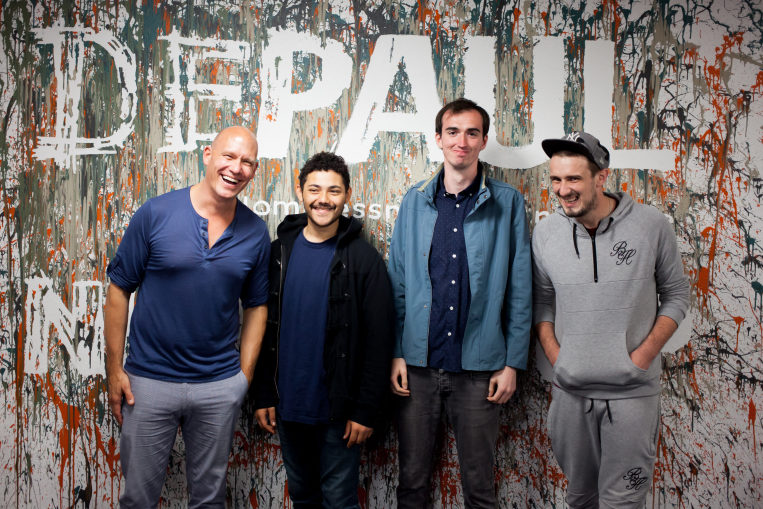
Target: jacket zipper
{"points": [[595, 267]]}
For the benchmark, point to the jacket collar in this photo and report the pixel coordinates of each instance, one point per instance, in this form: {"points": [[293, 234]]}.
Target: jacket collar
{"points": [[429, 186]]}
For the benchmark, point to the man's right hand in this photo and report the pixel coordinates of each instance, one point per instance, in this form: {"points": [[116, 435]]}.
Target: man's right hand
{"points": [[119, 390], [399, 377], [266, 418]]}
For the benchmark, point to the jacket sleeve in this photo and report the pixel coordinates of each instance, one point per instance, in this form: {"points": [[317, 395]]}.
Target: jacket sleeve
{"points": [[544, 296], [672, 283], [396, 271], [378, 330], [263, 389], [518, 301]]}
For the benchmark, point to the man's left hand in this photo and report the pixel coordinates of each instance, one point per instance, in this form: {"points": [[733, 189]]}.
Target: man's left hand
{"points": [[356, 433], [503, 383]]}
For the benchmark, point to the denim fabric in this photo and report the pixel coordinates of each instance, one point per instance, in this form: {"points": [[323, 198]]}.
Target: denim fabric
{"points": [[498, 251], [206, 414], [463, 397], [321, 471]]}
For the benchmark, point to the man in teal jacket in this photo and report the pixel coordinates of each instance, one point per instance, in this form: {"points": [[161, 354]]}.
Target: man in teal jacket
{"points": [[461, 278]]}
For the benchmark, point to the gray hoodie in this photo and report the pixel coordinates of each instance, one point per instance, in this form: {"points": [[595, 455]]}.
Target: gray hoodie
{"points": [[602, 293]]}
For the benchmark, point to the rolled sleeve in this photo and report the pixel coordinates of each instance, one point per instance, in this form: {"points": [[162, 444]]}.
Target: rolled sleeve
{"points": [[128, 266]]}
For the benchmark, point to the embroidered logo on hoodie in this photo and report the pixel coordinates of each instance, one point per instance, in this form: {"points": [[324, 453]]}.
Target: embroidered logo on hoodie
{"points": [[622, 253]]}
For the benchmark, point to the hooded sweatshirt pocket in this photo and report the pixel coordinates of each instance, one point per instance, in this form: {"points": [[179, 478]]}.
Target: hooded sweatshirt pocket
{"points": [[595, 359]]}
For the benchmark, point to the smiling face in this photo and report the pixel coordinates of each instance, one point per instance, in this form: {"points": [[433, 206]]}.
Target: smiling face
{"points": [[231, 161], [323, 196], [461, 139], [580, 191]]}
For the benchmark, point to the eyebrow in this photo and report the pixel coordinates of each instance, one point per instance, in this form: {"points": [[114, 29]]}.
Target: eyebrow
{"points": [[468, 129]]}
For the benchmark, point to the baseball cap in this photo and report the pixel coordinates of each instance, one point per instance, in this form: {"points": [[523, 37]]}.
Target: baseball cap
{"points": [[581, 143]]}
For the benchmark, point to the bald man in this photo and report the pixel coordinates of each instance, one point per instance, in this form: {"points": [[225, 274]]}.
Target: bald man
{"points": [[193, 254]]}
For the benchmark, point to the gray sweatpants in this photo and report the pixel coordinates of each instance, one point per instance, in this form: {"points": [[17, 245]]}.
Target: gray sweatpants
{"points": [[606, 448]]}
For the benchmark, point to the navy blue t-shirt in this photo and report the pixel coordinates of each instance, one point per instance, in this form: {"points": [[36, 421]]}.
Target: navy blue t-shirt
{"points": [[303, 396], [186, 319]]}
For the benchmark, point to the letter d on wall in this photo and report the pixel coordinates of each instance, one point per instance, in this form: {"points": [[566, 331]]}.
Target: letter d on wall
{"points": [[66, 145]]}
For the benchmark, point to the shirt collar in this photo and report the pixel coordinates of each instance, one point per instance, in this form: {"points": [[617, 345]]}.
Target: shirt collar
{"points": [[472, 189]]}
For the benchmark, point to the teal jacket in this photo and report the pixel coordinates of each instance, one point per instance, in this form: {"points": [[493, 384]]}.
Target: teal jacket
{"points": [[498, 251]]}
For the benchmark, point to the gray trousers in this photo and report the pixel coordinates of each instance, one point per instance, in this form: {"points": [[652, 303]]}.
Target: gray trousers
{"points": [[205, 412], [606, 448], [463, 398]]}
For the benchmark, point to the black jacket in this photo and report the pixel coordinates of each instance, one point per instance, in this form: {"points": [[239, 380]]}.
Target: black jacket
{"points": [[359, 326]]}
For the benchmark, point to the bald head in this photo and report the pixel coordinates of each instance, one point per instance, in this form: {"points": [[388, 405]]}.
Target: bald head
{"points": [[235, 131]]}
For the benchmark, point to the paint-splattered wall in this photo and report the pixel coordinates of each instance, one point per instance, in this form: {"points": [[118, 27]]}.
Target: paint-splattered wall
{"points": [[105, 103]]}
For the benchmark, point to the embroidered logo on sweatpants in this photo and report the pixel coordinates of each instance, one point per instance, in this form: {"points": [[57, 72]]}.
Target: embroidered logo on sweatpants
{"points": [[634, 479]]}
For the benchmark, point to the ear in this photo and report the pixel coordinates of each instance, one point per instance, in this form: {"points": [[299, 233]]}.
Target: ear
{"points": [[206, 155], [601, 177], [438, 139], [348, 195], [298, 190]]}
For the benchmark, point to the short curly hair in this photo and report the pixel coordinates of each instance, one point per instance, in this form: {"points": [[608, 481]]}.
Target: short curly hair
{"points": [[325, 161]]}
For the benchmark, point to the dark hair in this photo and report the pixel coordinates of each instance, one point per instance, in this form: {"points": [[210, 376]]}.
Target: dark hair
{"points": [[458, 106], [325, 161], [569, 153]]}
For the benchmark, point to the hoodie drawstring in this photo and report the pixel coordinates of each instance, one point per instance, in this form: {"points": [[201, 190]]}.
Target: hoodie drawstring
{"points": [[606, 403], [575, 238], [609, 223]]}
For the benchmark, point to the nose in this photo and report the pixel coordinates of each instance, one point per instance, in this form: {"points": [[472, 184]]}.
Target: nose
{"points": [[235, 165]]}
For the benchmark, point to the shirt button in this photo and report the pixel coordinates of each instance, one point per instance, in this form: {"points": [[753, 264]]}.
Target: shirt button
{"points": [[454, 255], [453, 281], [455, 229], [450, 333], [451, 308], [457, 205]]}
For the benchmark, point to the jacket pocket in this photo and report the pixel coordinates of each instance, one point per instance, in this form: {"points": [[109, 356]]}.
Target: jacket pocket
{"points": [[596, 359]]}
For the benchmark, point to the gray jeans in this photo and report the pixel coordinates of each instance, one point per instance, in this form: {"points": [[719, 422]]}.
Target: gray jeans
{"points": [[463, 398], [205, 412]]}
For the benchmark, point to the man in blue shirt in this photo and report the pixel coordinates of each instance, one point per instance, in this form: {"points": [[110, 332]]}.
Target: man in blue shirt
{"points": [[194, 254], [322, 376], [460, 270]]}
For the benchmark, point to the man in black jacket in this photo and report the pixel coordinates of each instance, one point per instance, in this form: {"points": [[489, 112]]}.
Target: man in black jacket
{"points": [[328, 342]]}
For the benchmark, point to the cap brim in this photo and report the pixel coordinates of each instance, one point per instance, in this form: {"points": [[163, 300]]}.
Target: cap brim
{"points": [[552, 146]]}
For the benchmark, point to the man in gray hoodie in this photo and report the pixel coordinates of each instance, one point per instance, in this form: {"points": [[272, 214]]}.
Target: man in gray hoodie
{"points": [[609, 291]]}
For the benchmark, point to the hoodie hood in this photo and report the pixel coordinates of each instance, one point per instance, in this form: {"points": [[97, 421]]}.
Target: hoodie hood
{"points": [[624, 206], [287, 231]]}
